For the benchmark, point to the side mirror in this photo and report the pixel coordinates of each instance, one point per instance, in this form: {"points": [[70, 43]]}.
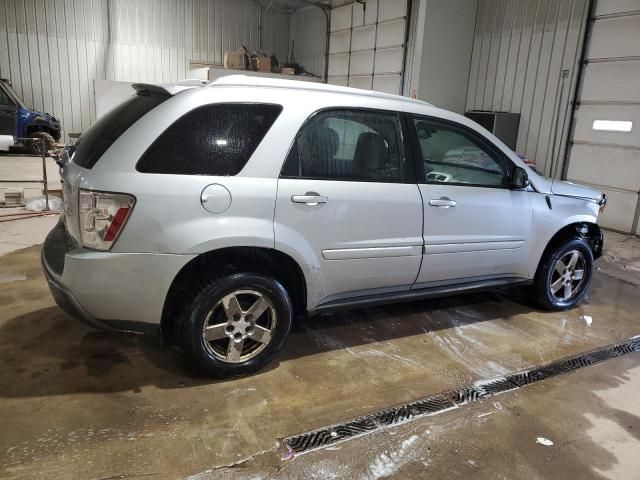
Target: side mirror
{"points": [[519, 179]]}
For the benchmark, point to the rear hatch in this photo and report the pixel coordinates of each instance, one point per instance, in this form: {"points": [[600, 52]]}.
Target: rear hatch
{"points": [[78, 158]]}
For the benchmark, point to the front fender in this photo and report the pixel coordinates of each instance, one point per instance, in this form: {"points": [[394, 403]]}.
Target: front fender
{"points": [[548, 222]]}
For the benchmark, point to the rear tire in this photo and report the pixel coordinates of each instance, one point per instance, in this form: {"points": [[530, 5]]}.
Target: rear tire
{"points": [[35, 142], [564, 276], [236, 324]]}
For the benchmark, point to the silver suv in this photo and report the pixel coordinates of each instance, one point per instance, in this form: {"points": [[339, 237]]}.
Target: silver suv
{"points": [[219, 213]]}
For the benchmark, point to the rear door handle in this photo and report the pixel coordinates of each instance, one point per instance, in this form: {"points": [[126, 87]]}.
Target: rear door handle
{"points": [[442, 202], [310, 198]]}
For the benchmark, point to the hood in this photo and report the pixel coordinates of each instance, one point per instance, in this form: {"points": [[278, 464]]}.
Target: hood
{"points": [[568, 189], [33, 116]]}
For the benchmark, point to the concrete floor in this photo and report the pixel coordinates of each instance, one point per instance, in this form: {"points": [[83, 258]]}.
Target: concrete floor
{"points": [[27, 167], [75, 403]]}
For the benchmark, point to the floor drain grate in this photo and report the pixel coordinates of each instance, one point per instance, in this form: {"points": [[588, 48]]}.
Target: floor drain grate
{"points": [[441, 402]]}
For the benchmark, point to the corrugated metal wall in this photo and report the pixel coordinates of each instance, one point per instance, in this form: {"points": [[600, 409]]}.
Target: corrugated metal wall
{"points": [[309, 32], [53, 49], [525, 60]]}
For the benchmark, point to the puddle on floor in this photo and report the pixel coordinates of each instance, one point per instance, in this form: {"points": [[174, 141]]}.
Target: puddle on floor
{"points": [[12, 277]]}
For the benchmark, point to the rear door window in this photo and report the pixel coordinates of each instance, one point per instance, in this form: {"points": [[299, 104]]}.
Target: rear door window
{"points": [[349, 145], [214, 139], [101, 135]]}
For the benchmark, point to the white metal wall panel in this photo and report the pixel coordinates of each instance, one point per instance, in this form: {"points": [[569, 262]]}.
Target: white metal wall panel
{"points": [[610, 160], [340, 81], [609, 7], [611, 82], [361, 63], [309, 35], [525, 60], [390, 34], [365, 16], [389, 60], [390, 9], [364, 81], [372, 37], [362, 38], [584, 131], [621, 167], [341, 18], [615, 37], [338, 65], [340, 42], [387, 83], [52, 50]]}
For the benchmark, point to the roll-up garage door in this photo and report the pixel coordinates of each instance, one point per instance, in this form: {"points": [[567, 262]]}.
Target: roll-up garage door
{"points": [[606, 139], [367, 43]]}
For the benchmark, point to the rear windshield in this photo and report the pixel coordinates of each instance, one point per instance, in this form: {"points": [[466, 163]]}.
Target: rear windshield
{"points": [[215, 139], [101, 135]]}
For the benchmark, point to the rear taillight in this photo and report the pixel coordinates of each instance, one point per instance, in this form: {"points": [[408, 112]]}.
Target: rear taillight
{"points": [[103, 217]]}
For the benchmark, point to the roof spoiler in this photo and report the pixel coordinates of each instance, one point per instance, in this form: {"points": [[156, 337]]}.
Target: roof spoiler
{"points": [[148, 88], [166, 90]]}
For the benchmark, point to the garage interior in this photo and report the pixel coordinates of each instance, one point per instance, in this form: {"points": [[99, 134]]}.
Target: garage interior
{"points": [[556, 80]]}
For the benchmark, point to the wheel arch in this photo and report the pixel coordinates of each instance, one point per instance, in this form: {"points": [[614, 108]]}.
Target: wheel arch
{"points": [[34, 128], [198, 270], [589, 231]]}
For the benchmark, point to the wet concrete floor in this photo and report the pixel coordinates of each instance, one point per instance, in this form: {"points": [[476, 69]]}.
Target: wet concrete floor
{"points": [[75, 403]]}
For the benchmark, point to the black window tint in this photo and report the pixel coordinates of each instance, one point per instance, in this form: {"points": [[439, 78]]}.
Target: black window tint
{"points": [[452, 154], [349, 145], [215, 139], [4, 98], [101, 135]]}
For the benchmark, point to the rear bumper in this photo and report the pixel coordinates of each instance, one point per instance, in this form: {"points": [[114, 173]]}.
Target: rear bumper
{"points": [[67, 302], [108, 290]]}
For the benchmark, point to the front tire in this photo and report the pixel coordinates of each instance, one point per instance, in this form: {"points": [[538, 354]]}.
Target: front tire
{"points": [[564, 276], [236, 324]]}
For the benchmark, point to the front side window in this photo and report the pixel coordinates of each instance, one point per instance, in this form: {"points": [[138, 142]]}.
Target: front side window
{"points": [[214, 139], [452, 154], [358, 145]]}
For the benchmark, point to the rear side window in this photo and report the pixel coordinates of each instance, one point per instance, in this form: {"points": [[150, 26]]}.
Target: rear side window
{"points": [[101, 135], [214, 139], [349, 145]]}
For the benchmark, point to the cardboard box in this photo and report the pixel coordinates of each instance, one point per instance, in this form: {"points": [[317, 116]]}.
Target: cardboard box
{"points": [[263, 64], [288, 71], [236, 60]]}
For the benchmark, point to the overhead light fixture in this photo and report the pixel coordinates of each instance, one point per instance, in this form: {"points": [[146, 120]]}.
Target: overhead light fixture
{"points": [[623, 126]]}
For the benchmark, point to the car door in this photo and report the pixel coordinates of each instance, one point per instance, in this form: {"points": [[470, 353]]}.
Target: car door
{"points": [[348, 204], [8, 113], [475, 226]]}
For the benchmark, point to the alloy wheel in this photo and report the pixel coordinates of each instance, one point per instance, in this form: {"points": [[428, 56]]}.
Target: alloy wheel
{"points": [[239, 326], [567, 276]]}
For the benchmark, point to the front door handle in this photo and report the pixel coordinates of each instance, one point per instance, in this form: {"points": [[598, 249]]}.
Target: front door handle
{"points": [[310, 198], [442, 202]]}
